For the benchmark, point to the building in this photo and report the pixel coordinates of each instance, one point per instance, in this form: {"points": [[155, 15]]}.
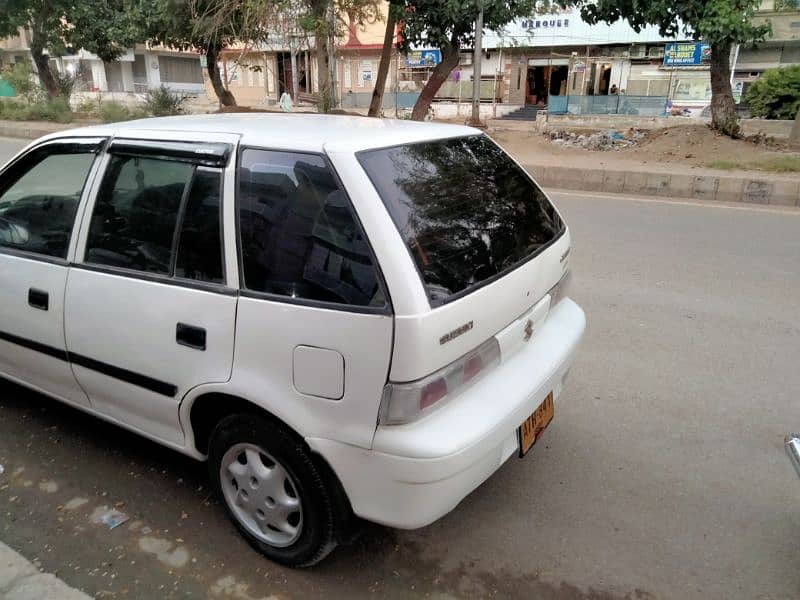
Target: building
{"points": [[781, 49]]}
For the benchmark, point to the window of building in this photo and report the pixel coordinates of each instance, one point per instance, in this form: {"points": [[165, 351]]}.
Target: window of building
{"points": [[299, 236], [178, 69]]}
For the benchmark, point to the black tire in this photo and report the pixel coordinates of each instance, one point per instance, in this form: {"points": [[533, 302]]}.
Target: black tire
{"points": [[318, 536]]}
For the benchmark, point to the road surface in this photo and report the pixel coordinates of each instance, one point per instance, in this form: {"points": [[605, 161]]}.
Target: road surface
{"points": [[662, 476]]}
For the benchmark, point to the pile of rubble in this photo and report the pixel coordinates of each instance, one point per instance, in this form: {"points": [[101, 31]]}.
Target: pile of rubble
{"points": [[601, 141]]}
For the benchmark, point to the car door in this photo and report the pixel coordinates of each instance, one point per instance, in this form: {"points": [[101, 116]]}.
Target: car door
{"points": [[314, 324], [41, 193], [149, 314]]}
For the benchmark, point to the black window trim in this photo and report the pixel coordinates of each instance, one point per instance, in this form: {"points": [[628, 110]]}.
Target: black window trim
{"points": [[81, 142], [386, 310], [169, 278], [214, 154], [488, 281], [182, 214]]}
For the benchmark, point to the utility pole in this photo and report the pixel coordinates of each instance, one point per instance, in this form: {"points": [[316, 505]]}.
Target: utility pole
{"points": [[476, 69]]}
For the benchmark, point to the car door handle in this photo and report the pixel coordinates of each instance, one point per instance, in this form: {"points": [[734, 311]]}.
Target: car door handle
{"points": [[190, 336], [38, 299]]}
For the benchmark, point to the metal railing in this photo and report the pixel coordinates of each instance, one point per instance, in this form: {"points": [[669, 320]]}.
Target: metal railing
{"points": [[648, 106]]}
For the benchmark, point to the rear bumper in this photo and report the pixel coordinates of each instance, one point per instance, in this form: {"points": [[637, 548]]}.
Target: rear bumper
{"points": [[419, 472]]}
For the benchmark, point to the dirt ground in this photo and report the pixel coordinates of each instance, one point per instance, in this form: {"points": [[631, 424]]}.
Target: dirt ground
{"points": [[694, 147]]}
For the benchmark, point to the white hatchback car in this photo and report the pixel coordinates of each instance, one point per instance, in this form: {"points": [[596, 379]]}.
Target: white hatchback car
{"points": [[344, 316]]}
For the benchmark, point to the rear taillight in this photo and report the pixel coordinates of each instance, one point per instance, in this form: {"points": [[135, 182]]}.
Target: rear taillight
{"points": [[407, 402]]}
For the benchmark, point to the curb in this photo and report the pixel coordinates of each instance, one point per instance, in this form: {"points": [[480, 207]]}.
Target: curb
{"points": [[722, 188], [21, 580]]}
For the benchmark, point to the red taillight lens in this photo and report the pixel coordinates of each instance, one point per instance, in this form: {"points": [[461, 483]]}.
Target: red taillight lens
{"points": [[432, 393], [473, 366]]}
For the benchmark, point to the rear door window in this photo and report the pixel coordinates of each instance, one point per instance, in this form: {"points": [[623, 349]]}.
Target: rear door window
{"points": [[298, 233], [466, 211], [158, 216]]}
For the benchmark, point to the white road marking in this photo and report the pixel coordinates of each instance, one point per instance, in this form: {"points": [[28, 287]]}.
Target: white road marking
{"points": [[770, 209]]}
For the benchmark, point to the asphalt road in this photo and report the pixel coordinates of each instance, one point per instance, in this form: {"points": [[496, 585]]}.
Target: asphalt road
{"points": [[662, 476]]}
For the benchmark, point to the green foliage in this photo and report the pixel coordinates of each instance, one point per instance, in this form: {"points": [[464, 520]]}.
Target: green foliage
{"points": [[713, 21], [443, 23], [56, 110], [162, 102], [20, 77], [776, 94], [41, 110], [104, 27], [113, 112]]}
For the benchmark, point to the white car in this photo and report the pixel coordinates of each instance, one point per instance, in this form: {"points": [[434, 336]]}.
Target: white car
{"points": [[343, 316]]}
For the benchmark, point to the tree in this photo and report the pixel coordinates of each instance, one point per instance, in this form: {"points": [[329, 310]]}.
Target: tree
{"points": [[776, 94], [450, 25], [210, 26], [325, 19], [376, 103], [57, 27], [720, 23]]}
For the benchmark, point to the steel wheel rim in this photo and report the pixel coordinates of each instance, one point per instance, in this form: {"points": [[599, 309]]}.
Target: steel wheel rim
{"points": [[261, 494]]}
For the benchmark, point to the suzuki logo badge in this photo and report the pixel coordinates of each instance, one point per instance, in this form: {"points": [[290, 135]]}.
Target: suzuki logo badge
{"points": [[528, 330]]}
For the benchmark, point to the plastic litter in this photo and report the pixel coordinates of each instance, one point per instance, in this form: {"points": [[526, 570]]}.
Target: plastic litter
{"points": [[2, 469], [601, 141], [113, 518]]}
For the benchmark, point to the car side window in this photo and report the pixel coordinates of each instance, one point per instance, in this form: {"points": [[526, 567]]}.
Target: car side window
{"points": [[199, 253], [299, 235], [39, 198], [158, 216]]}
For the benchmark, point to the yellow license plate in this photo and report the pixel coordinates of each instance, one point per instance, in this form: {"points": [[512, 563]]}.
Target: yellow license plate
{"points": [[534, 425]]}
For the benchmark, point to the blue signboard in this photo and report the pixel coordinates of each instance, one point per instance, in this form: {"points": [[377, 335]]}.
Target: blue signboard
{"points": [[423, 58], [687, 55]]}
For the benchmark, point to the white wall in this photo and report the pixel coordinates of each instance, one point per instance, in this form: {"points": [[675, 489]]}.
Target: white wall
{"points": [[572, 31]]}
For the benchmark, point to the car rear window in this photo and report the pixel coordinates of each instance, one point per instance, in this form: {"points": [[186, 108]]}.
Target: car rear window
{"points": [[466, 211]]}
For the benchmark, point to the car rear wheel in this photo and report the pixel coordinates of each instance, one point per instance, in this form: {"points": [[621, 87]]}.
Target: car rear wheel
{"points": [[272, 490]]}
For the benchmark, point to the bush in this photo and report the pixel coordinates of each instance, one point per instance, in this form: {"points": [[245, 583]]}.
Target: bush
{"points": [[776, 94], [20, 77], [113, 112], [56, 110], [42, 110], [161, 102]]}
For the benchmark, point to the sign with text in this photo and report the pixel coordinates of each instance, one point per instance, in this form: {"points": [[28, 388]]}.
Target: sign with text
{"points": [[423, 58], [687, 55]]}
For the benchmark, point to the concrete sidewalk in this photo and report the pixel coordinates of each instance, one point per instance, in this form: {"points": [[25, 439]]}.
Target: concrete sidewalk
{"points": [[21, 580]]}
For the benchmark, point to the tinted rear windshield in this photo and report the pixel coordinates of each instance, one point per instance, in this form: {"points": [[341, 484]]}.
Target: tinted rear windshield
{"points": [[466, 211]]}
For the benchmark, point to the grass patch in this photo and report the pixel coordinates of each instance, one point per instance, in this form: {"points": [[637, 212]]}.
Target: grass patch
{"points": [[57, 111], [778, 164]]}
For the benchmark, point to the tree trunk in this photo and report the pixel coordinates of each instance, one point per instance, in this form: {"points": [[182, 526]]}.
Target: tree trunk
{"points": [[225, 97], [324, 89], [439, 75], [42, 62], [723, 109], [383, 68]]}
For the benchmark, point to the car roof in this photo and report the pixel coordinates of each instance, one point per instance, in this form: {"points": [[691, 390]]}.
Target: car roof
{"points": [[300, 131]]}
